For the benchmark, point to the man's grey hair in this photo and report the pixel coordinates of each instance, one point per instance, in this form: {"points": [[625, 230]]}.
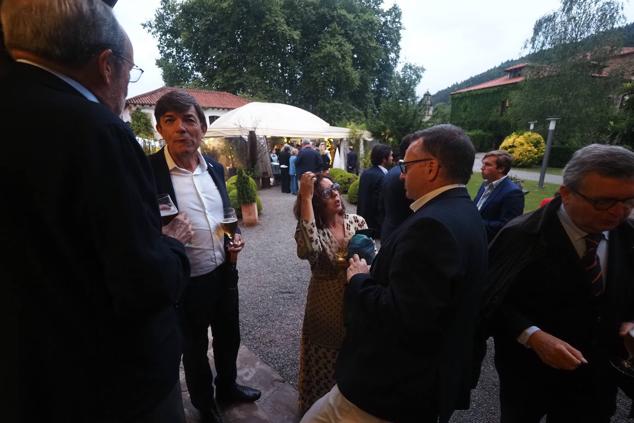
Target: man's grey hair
{"points": [[68, 32], [610, 161]]}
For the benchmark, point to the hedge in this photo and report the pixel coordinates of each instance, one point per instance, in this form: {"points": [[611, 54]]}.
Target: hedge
{"points": [[343, 178], [353, 192]]}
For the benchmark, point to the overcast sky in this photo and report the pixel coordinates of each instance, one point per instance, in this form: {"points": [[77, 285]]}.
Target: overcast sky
{"points": [[452, 39]]}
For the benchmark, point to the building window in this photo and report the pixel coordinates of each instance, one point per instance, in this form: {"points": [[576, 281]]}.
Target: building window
{"points": [[504, 106], [212, 119]]}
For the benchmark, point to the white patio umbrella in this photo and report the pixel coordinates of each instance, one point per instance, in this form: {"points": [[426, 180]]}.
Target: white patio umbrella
{"points": [[273, 119]]}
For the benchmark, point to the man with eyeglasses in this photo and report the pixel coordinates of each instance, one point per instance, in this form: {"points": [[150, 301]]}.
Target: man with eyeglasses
{"points": [[407, 353], [566, 276], [93, 280]]}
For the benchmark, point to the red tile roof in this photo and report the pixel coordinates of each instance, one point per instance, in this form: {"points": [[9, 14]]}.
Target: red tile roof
{"points": [[505, 80], [206, 98], [514, 67]]}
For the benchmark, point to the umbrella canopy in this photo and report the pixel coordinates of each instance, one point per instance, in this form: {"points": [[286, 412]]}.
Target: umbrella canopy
{"points": [[273, 120]]}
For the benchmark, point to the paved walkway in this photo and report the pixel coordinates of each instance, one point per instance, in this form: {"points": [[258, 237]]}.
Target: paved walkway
{"points": [[527, 175]]}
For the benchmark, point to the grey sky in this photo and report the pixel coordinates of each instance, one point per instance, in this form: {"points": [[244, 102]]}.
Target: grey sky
{"points": [[451, 39]]}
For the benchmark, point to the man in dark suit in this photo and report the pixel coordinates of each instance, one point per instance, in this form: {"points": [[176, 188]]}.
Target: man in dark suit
{"points": [[308, 159], [94, 280], [406, 356], [284, 158], [197, 186], [499, 199], [565, 272], [396, 205], [370, 185], [352, 162]]}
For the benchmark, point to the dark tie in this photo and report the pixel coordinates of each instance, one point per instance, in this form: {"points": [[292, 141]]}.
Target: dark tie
{"points": [[591, 264]]}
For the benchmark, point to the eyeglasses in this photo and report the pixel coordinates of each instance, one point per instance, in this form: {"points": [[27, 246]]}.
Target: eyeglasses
{"points": [[403, 164], [604, 204], [135, 71], [327, 193]]}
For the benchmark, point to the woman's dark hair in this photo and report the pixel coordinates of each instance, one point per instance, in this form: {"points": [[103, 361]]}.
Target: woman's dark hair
{"points": [[319, 204]]}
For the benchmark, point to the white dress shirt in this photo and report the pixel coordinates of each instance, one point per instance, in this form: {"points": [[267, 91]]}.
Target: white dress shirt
{"points": [[197, 196]]}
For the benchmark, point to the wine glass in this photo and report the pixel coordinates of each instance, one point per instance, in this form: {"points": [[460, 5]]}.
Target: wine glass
{"points": [[626, 365], [341, 257], [167, 208], [229, 222]]}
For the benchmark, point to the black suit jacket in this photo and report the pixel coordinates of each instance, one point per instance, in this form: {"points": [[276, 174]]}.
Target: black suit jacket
{"points": [[164, 181], [549, 289], [94, 279], [308, 160], [395, 203], [410, 323], [369, 201], [503, 204]]}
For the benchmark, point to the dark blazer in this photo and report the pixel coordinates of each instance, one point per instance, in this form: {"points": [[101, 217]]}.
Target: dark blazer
{"points": [[549, 289], [407, 352], [369, 201], [308, 160], [505, 203], [95, 280], [352, 164], [395, 203], [164, 181]]}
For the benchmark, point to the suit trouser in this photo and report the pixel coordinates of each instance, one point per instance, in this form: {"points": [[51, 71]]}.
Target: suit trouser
{"points": [[527, 393], [210, 300]]}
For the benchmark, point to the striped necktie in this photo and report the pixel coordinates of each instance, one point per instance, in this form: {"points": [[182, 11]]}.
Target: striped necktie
{"points": [[592, 265]]}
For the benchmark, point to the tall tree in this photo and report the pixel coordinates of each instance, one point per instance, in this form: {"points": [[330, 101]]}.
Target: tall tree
{"points": [[399, 113], [570, 77], [333, 57]]}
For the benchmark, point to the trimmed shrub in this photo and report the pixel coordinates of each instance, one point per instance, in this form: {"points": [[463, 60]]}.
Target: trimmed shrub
{"points": [[527, 148], [353, 192], [233, 199], [482, 140], [343, 178]]}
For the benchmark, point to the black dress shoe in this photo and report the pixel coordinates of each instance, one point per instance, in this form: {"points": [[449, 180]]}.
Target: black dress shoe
{"points": [[210, 415], [237, 393]]}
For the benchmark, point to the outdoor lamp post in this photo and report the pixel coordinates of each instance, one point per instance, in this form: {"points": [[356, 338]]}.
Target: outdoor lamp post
{"points": [[531, 125], [552, 122]]}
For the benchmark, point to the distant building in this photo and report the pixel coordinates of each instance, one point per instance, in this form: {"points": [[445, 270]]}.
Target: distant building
{"points": [[214, 103], [426, 106]]}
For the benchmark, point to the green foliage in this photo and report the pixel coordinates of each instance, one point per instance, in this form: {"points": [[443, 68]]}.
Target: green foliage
{"points": [[335, 59], [622, 125], [343, 178], [141, 124], [560, 154], [246, 187], [353, 192], [527, 148], [482, 140], [441, 114], [399, 113], [232, 191]]}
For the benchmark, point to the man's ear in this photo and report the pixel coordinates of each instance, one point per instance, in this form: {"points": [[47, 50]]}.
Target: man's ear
{"points": [[158, 127], [106, 66], [433, 170]]}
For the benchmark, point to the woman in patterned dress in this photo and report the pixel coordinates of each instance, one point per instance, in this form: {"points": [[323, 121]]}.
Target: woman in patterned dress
{"points": [[322, 235]]}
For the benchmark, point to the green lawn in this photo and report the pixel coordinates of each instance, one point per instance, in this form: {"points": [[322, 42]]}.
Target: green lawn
{"points": [[549, 170], [533, 198]]}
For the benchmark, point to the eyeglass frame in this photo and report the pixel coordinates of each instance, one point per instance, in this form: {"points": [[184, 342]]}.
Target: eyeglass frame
{"points": [[326, 194], [134, 67], [403, 164], [612, 201]]}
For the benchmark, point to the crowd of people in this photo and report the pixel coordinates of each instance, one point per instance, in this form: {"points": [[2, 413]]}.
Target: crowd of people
{"points": [[105, 297]]}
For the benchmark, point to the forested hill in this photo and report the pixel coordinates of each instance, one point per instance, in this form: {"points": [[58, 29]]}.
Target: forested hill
{"points": [[442, 96]]}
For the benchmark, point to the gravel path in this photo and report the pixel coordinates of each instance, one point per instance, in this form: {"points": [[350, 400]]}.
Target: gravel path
{"points": [[273, 285]]}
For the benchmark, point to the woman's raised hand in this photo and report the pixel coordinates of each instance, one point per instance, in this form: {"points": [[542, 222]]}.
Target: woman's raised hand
{"points": [[307, 185]]}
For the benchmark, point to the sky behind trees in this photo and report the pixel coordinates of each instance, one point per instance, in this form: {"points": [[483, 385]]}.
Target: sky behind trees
{"points": [[451, 39]]}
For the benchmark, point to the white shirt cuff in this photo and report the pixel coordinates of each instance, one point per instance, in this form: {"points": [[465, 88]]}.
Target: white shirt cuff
{"points": [[523, 338]]}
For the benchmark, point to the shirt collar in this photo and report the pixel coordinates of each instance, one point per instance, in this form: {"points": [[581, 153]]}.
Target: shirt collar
{"points": [[573, 231], [416, 205], [384, 170], [76, 85], [171, 165], [497, 181]]}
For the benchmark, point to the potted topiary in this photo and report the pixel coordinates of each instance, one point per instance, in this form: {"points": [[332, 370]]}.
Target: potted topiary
{"points": [[247, 199]]}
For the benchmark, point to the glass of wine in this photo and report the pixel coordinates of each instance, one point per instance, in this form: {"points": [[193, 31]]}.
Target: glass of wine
{"points": [[167, 208], [229, 222], [626, 365]]}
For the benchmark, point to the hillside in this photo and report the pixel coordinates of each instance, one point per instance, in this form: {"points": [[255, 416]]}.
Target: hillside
{"points": [[442, 96]]}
